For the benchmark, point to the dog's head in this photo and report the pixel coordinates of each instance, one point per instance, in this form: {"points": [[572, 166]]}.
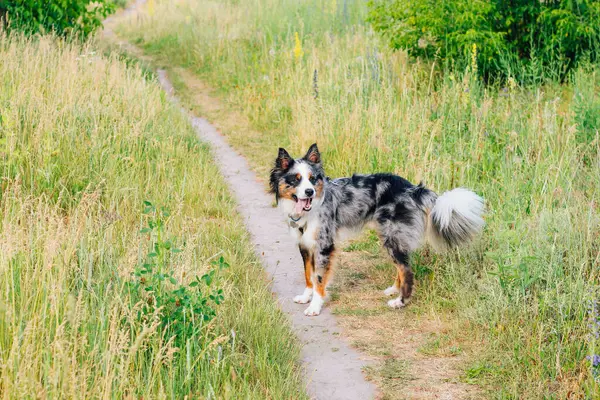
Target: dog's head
{"points": [[298, 182]]}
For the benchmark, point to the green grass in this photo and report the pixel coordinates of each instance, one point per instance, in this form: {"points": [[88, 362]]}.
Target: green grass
{"points": [[84, 140], [532, 152]]}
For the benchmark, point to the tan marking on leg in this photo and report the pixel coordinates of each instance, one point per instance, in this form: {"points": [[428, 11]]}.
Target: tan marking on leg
{"points": [[404, 281], [308, 270], [322, 283]]}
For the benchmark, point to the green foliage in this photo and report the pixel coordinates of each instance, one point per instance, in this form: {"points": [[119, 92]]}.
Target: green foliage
{"points": [[551, 36], [182, 309], [119, 3], [513, 275], [64, 17], [586, 105]]}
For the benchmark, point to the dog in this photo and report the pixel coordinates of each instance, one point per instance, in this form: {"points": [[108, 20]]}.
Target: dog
{"points": [[321, 211]]}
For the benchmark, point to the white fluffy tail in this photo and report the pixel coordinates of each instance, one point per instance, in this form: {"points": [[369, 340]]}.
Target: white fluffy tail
{"points": [[455, 219]]}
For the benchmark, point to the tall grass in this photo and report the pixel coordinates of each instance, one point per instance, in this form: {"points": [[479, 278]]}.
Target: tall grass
{"points": [[532, 152], [84, 140]]}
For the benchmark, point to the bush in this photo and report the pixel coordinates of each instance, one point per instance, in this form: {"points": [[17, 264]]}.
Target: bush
{"points": [[64, 17], [183, 309], [552, 35]]}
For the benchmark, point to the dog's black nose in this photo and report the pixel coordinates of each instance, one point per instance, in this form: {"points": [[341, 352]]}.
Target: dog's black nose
{"points": [[309, 192]]}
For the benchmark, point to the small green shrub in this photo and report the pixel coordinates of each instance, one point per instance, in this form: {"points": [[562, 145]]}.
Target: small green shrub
{"points": [[586, 105], [119, 3], [183, 309], [553, 35], [64, 17]]}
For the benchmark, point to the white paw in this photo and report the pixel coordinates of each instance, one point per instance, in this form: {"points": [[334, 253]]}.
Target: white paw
{"points": [[315, 307], [392, 290], [304, 297], [396, 303]]}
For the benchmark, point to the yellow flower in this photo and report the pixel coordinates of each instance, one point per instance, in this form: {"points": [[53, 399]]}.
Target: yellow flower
{"points": [[151, 7], [474, 58], [298, 52], [512, 84]]}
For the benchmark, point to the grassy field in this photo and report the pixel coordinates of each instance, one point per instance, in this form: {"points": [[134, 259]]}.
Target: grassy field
{"points": [[92, 303], [312, 70]]}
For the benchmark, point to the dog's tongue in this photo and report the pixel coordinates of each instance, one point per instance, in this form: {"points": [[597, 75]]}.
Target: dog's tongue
{"points": [[300, 204]]}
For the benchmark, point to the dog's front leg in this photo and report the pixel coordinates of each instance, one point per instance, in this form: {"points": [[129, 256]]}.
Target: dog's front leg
{"points": [[308, 257], [323, 271]]}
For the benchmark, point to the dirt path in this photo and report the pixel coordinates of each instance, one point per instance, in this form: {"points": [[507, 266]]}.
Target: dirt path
{"points": [[333, 369]]}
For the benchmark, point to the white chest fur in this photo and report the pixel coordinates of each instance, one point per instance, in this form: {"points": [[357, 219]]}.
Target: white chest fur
{"points": [[306, 235], [309, 236]]}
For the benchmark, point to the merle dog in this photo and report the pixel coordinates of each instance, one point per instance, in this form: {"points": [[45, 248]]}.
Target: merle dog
{"points": [[320, 211]]}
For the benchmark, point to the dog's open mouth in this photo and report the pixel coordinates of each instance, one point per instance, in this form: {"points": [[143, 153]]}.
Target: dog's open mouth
{"points": [[302, 205]]}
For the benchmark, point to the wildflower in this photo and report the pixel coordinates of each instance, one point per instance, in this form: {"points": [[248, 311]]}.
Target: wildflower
{"points": [[595, 359], [266, 78], [298, 52], [422, 43], [594, 319], [151, 7], [474, 58], [272, 52], [512, 84]]}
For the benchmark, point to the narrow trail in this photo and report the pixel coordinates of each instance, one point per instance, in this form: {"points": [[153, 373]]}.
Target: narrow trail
{"points": [[333, 370]]}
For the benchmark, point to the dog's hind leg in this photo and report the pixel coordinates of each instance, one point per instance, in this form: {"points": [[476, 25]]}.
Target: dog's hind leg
{"points": [[403, 285], [404, 280]]}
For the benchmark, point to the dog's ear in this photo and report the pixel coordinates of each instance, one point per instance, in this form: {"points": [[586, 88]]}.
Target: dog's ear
{"points": [[284, 161], [313, 154]]}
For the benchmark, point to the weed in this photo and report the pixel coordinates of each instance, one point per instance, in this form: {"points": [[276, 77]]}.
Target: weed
{"points": [[183, 310], [394, 373], [440, 344]]}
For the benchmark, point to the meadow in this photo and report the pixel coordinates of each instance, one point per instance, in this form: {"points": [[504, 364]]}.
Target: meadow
{"points": [[125, 271], [520, 301]]}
